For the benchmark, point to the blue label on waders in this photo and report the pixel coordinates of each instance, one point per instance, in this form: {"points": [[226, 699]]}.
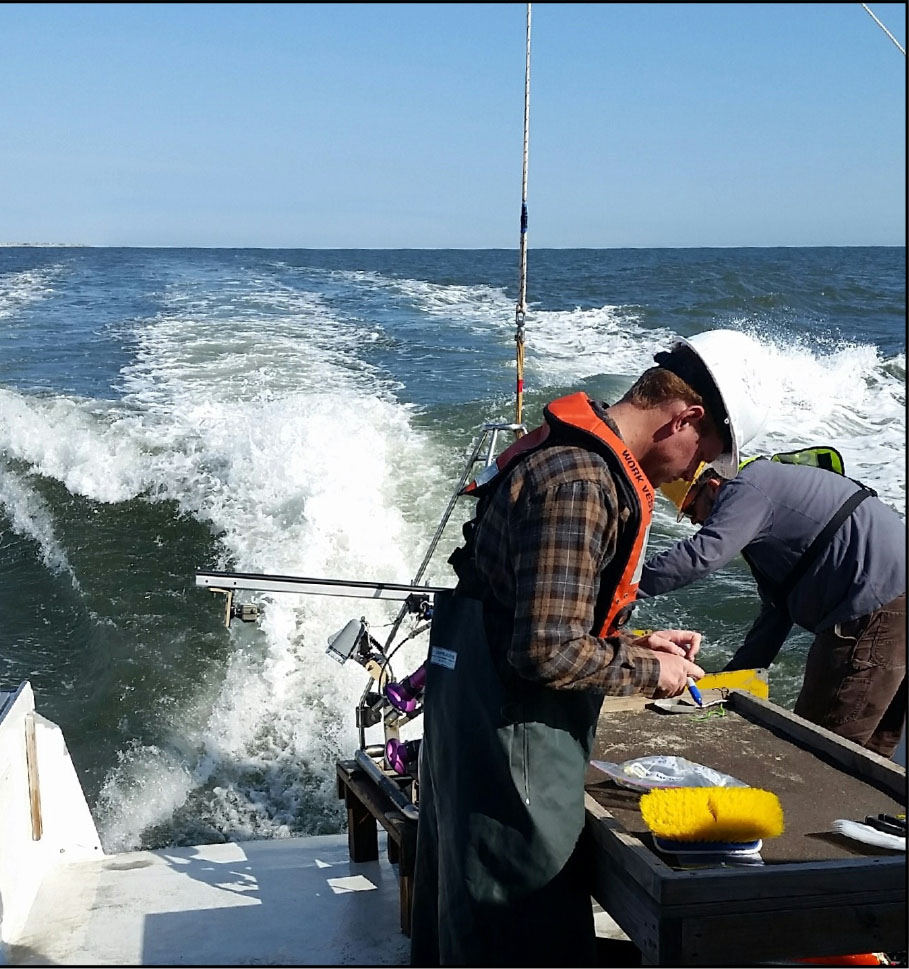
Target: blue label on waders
{"points": [[443, 657]]}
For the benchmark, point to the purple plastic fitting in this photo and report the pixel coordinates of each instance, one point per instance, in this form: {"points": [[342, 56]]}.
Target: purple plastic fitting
{"points": [[405, 696], [402, 755]]}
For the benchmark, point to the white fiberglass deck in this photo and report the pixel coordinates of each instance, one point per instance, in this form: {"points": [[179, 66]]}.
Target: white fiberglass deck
{"points": [[293, 902]]}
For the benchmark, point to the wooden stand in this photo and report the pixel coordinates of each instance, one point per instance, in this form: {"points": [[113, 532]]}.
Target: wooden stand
{"points": [[367, 804], [817, 893]]}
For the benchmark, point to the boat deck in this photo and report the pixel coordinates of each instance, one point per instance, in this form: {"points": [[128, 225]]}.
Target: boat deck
{"points": [[286, 902], [297, 902]]}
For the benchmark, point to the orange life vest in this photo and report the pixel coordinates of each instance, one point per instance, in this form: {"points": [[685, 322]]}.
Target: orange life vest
{"points": [[572, 420]]}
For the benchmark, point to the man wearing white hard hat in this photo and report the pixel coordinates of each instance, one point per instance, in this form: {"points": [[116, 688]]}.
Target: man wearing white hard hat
{"points": [[523, 651], [726, 367]]}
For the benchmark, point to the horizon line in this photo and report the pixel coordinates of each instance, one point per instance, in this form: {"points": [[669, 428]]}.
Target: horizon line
{"points": [[91, 245]]}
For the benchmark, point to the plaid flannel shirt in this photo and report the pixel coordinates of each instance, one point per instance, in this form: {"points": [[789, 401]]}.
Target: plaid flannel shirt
{"points": [[548, 532]]}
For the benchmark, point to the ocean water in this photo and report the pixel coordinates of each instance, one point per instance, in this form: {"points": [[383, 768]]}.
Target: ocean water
{"points": [[309, 412]]}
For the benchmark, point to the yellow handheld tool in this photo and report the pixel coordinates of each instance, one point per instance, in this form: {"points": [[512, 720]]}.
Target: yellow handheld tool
{"points": [[751, 681]]}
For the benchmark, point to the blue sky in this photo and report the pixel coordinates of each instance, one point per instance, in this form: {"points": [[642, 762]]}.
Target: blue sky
{"points": [[401, 125]]}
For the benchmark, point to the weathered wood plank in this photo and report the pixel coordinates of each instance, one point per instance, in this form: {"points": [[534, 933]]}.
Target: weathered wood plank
{"points": [[34, 784], [724, 938], [623, 850], [621, 704]]}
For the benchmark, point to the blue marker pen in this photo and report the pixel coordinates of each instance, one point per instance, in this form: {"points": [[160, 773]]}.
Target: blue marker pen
{"points": [[695, 692]]}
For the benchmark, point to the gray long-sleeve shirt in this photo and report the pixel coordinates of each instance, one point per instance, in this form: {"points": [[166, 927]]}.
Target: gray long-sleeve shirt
{"points": [[774, 511]]}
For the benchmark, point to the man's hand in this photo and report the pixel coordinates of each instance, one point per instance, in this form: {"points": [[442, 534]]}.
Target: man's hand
{"points": [[680, 642], [674, 673]]}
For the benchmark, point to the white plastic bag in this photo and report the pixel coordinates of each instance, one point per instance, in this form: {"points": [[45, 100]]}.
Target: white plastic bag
{"points": [[646, 773]]}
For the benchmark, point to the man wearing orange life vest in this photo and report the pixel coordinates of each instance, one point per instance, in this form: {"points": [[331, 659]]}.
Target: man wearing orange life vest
{"points": [[522, 653]]}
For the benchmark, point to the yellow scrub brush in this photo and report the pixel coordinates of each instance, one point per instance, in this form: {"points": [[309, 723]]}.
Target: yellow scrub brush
{"points": [[715, 819]]}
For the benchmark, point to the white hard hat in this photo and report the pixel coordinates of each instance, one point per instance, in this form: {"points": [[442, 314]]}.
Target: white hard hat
{"points": [[725, 368]]}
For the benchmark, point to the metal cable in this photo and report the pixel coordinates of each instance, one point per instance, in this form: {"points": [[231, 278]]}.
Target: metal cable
{"points": [[887, 32], [521, 309]]}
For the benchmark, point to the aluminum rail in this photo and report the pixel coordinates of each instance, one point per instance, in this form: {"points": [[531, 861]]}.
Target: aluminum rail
{"points": [[227, 581]]}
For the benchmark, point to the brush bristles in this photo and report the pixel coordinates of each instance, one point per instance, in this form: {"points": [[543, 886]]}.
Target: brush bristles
{"points": [[725, 814]]}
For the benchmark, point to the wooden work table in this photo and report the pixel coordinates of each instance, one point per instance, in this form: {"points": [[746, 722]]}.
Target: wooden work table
{"points": [[817, 893]]}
